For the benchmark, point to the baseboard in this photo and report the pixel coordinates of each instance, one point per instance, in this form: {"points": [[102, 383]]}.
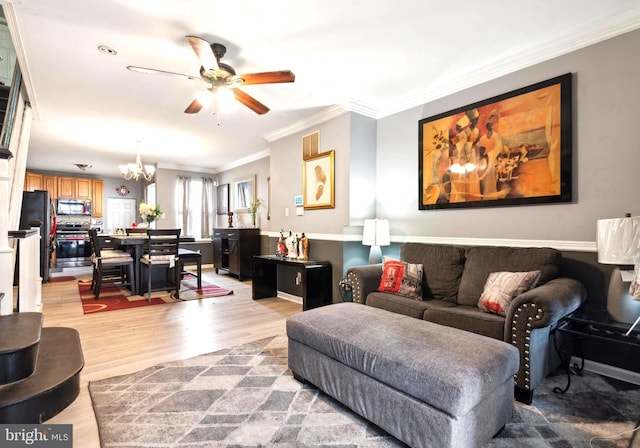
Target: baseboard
{"points": [[290, 297], [607, 370]]}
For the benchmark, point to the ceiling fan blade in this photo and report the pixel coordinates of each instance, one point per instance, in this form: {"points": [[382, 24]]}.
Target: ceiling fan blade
{"points": [[153, 71], [193, 108], [264, 78], [204, 52], [250, 102]]}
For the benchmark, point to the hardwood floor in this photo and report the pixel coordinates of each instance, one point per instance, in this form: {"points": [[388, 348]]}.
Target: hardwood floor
{"points": [[125, 341]]}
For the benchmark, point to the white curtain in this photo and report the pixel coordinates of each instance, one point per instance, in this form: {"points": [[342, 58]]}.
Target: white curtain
{"points": [[184, 187], [207, 206]]}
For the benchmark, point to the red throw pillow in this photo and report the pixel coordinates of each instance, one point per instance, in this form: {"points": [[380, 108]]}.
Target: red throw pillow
{"points": [[402, 278]]}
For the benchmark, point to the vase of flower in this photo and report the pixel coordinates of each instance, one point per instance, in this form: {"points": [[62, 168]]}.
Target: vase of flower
{"points": [[253, 210], [149, 212]]}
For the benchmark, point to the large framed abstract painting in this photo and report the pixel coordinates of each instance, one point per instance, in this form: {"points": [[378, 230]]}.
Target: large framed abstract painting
{"points": [[512, 149]]}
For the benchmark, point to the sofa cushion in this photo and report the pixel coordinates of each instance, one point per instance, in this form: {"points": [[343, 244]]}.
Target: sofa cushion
{"points": [[404, 305], [442, 267], [401, 278], [502, 287], [468, 318], [483, 260]]}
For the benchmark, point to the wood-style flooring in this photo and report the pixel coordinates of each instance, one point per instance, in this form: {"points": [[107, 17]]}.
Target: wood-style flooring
{"points": [[125, 341]]}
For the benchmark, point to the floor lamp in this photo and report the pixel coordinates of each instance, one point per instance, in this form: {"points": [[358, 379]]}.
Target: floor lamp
{"points": [[375, 234], [618, 242]]}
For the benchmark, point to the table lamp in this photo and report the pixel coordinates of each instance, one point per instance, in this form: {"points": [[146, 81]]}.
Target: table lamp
{"points": [[375, 234], [618, 242]]}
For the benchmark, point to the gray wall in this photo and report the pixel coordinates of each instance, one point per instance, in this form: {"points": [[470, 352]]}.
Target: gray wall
{"points": [[259, 168], [606, 153], [286, 180]]}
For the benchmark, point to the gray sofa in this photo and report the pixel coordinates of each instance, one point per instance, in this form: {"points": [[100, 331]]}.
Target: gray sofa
{"points": [[453, 280]]}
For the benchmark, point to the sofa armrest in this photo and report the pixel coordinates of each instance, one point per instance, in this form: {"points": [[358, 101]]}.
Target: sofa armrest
{"points": [[531, 317], [364, 280], [545, 305]]}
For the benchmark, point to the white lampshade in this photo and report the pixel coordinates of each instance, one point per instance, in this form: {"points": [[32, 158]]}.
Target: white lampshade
{"points": [[618, 240], [376, 232]]}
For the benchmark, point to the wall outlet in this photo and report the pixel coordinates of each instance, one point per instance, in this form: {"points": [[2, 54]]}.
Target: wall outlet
{"points": [[300, 211]]}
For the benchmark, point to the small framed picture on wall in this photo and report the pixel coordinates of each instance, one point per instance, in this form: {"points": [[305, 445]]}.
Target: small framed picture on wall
{"points": [[318, 181]]}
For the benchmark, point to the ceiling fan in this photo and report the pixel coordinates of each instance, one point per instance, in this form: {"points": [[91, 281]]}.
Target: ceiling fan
{"points": [[217, 74]]}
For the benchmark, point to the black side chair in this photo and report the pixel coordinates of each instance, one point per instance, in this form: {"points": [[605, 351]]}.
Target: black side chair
{"points": [[162, 247], [135, 230], [189, 257], [109, 266]]}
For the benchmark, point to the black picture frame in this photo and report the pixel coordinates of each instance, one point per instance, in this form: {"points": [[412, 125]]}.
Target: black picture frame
{"points": [[511, 149], [222, 199]]}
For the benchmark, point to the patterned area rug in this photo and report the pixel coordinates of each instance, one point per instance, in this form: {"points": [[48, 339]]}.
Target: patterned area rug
{"points": [[246, 397], [115, 298]]}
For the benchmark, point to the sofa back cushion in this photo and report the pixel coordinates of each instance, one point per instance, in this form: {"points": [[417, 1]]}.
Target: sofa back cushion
{"points": [[483, 260], [442, 267]]}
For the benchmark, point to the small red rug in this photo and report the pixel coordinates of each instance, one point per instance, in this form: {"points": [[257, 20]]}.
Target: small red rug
{"points": [[115, 298], [61, 278]]}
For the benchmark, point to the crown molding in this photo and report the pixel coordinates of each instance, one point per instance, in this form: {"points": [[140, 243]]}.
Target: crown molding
{"points": [[243, 161], [301, 125], [21, 55], [198, 169], [616, 26]]}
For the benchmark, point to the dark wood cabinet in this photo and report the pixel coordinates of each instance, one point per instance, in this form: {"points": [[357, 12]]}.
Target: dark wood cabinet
{"points": [[308, 279], [233, 250]]}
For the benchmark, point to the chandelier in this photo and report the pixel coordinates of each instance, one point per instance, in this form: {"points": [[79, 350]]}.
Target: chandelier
{"points": [[135, 170]]}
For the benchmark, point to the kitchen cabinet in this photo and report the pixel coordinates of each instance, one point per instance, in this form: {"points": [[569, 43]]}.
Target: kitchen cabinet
{"points": [[233, 250], [36, 181], [33, 181], [50, 183], [82, 188], [74, 187], [97, 197], [66, 187]]}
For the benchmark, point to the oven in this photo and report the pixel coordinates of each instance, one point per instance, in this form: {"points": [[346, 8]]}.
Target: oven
{"points": [[72, 246]]}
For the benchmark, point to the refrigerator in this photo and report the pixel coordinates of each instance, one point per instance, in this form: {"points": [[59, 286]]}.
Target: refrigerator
{"points": [[38, 205]]}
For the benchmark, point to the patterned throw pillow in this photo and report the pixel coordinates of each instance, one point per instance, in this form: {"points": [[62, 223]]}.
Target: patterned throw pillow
{"points": [[502, 287], [402, 278]]}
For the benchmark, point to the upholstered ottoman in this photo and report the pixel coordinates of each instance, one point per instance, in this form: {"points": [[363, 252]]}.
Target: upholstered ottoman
{"points": [[426, 384]]}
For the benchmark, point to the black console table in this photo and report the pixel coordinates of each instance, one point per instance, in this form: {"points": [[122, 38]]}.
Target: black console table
{"points": [[581, 325], [311, 280]]}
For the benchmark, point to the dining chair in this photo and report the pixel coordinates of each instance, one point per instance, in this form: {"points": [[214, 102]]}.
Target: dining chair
{"points": [[189, 257], [110, 266], [136, 230], [162, 253]]}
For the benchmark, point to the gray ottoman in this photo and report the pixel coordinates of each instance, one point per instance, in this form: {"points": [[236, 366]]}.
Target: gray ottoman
{"points": [[426, 384]]}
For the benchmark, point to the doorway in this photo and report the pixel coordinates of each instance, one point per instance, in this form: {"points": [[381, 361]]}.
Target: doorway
{"points": [[122, 213]]}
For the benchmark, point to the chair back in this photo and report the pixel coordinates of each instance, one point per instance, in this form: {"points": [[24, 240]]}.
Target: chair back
{"points": [[163, 243], [136, 230], [95, 242]]}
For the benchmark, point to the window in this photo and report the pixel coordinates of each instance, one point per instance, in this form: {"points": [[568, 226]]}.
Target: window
{"points": [[198, 204]]}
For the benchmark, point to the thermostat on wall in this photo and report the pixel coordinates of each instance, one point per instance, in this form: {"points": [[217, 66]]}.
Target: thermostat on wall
{"points": [[298, 200]]}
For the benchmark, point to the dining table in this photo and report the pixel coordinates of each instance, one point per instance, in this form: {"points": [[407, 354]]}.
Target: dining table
{"points": [[137, 241]]}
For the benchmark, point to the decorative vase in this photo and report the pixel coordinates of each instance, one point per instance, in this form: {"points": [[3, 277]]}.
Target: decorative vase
{"points": [[253, 219]]}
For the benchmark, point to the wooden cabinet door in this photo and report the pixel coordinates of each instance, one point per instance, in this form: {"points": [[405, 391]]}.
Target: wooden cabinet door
{"points": [[50, 183], [97, 197], [66, 187], [83, 188], [32, 181]]}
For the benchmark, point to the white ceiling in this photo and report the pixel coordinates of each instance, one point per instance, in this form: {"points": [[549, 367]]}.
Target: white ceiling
{"points": [[372, 57]]}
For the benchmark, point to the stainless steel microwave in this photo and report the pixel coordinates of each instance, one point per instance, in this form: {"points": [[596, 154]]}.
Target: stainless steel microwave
{"points": [[74, 207]]}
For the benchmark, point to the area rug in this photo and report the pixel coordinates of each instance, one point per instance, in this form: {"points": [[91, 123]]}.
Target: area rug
{"points": [[246, 397], [61, 278], [116, 298]]}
